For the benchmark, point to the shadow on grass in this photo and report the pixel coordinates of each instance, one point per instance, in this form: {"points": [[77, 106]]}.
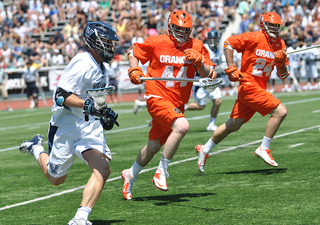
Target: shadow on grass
{"points": [[178, 198], [106, 222], [262, 172]]}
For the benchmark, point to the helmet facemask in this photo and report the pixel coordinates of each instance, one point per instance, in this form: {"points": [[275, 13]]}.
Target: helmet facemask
{"points": [[181, 34], [212, 42], [273, 30]]}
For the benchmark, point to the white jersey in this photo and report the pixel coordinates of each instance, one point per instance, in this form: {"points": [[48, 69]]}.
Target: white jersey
{"points": [[218, 58], [294, 59], [82, 73]]}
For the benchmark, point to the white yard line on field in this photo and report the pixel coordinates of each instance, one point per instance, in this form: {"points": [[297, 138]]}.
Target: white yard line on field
{"points": [[296, 145], [153, 168]]}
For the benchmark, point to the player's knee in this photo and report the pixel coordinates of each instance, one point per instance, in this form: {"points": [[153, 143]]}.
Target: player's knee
{"points": [[56, 181], [281, 111], [181, 125], [106, 172], [217, 101]]}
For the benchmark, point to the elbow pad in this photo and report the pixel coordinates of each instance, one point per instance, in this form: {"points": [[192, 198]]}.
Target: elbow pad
{"points": [[61, 95]]}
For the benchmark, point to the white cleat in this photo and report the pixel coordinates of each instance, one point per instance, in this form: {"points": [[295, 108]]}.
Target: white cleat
{"points": [[211, 127], [202, 157], [28, 146], [159, 180], [136, 106], [79, 222], [127, 185], [266, 156]]}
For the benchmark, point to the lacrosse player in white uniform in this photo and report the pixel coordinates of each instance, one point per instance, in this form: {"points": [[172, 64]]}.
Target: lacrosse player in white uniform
{"points": [[200, 94], [310, 57], [69, 133], [295, 65]]}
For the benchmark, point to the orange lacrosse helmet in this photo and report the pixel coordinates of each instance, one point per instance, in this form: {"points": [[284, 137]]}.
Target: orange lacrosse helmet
{"points": [[179, 26], [270, 22]]}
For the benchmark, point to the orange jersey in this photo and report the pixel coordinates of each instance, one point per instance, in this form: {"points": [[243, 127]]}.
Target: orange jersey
{"points": [[257, 56], [167, 60]]}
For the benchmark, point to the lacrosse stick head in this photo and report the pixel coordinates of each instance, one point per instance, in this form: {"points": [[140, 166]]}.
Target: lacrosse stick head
{"points": [[210, 84], [99, 95]]}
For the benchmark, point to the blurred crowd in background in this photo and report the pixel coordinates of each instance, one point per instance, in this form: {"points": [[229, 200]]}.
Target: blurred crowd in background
{"points": [[48, 32]]}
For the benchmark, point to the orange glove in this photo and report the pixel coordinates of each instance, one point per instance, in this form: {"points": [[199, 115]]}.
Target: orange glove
{"points": [[233, 73], [194, 57], [280, 56], [135, 73]]}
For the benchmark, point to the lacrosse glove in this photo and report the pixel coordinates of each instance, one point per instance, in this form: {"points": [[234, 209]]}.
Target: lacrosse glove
{"points": [[233, 73], [280, 57], [194, 57], [135, 73], [90, 107], [109, 119]]}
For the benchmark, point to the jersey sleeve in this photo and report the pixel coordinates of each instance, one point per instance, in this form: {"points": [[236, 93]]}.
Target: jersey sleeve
{"points": [[239, 42], [143, 51]]}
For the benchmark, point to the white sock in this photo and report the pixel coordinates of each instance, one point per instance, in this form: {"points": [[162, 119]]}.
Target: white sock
{"points": [[209, 146], [135, 169], [163, 164], [83, 212], [37, 151], [185, 107], [212, 120], [266, 142], [142, 103]]}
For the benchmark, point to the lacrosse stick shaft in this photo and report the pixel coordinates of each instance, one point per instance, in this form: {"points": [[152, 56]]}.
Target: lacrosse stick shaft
{"points": [[303, 49], [21, 96], [169, 79], [43, 96]]}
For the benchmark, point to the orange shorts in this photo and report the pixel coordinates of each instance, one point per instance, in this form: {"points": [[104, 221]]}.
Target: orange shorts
{"points": [[163, 113], [251, 99]]}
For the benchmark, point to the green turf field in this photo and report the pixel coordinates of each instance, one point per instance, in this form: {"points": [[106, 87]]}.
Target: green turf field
{"points": [[236, 188]]}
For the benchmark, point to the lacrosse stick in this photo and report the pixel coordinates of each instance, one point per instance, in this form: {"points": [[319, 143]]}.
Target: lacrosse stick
{"points": [[206, 83], [303, 49], [99, 95], [43, 96], [21, 96]]}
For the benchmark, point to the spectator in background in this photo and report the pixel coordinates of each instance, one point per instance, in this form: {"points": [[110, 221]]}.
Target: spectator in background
{"points": [[113, 74], [31, 77], [3, 81], [137, 37], [243, 26], [105, 7], [57, 58], [30, 26], [5, 52], [243, 7], [45, 57], [71, 48]]}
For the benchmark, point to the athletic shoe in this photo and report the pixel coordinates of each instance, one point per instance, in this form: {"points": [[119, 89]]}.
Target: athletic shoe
{"points": [[127, 185], [159, 180], [266, 156], [202, 157], [9, 109], [211, 127], [28, 146], [79, 222], [136, 106]]}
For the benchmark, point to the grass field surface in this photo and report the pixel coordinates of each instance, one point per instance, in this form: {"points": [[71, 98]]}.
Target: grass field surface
{"points": [[236, 188]]}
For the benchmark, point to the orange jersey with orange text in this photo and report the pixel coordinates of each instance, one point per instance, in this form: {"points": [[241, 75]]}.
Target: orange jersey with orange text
{"points": [[167, 60], [257, 56]]}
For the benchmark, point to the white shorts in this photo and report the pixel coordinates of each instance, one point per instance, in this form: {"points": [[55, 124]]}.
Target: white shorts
{"points": [[200, 95], [295, 72], [66, 142], [312, 71]]}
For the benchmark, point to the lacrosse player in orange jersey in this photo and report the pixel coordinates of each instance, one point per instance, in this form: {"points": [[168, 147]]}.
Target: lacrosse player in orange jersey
{"points": [[172, 55], [261, 50]]}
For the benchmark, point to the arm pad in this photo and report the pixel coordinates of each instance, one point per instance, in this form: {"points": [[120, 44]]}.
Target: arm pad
{"points": [[61, 95]]}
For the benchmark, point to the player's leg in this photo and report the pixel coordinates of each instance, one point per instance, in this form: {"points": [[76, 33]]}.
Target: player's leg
{"points": [[215, 97], [143, 158], [180, 127], [218, 135]]}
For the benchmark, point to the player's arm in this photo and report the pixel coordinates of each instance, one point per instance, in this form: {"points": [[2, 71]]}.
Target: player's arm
{"points": [[196, 58], [280, 58], [66, 98], [232, 71], [135, 71]]}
